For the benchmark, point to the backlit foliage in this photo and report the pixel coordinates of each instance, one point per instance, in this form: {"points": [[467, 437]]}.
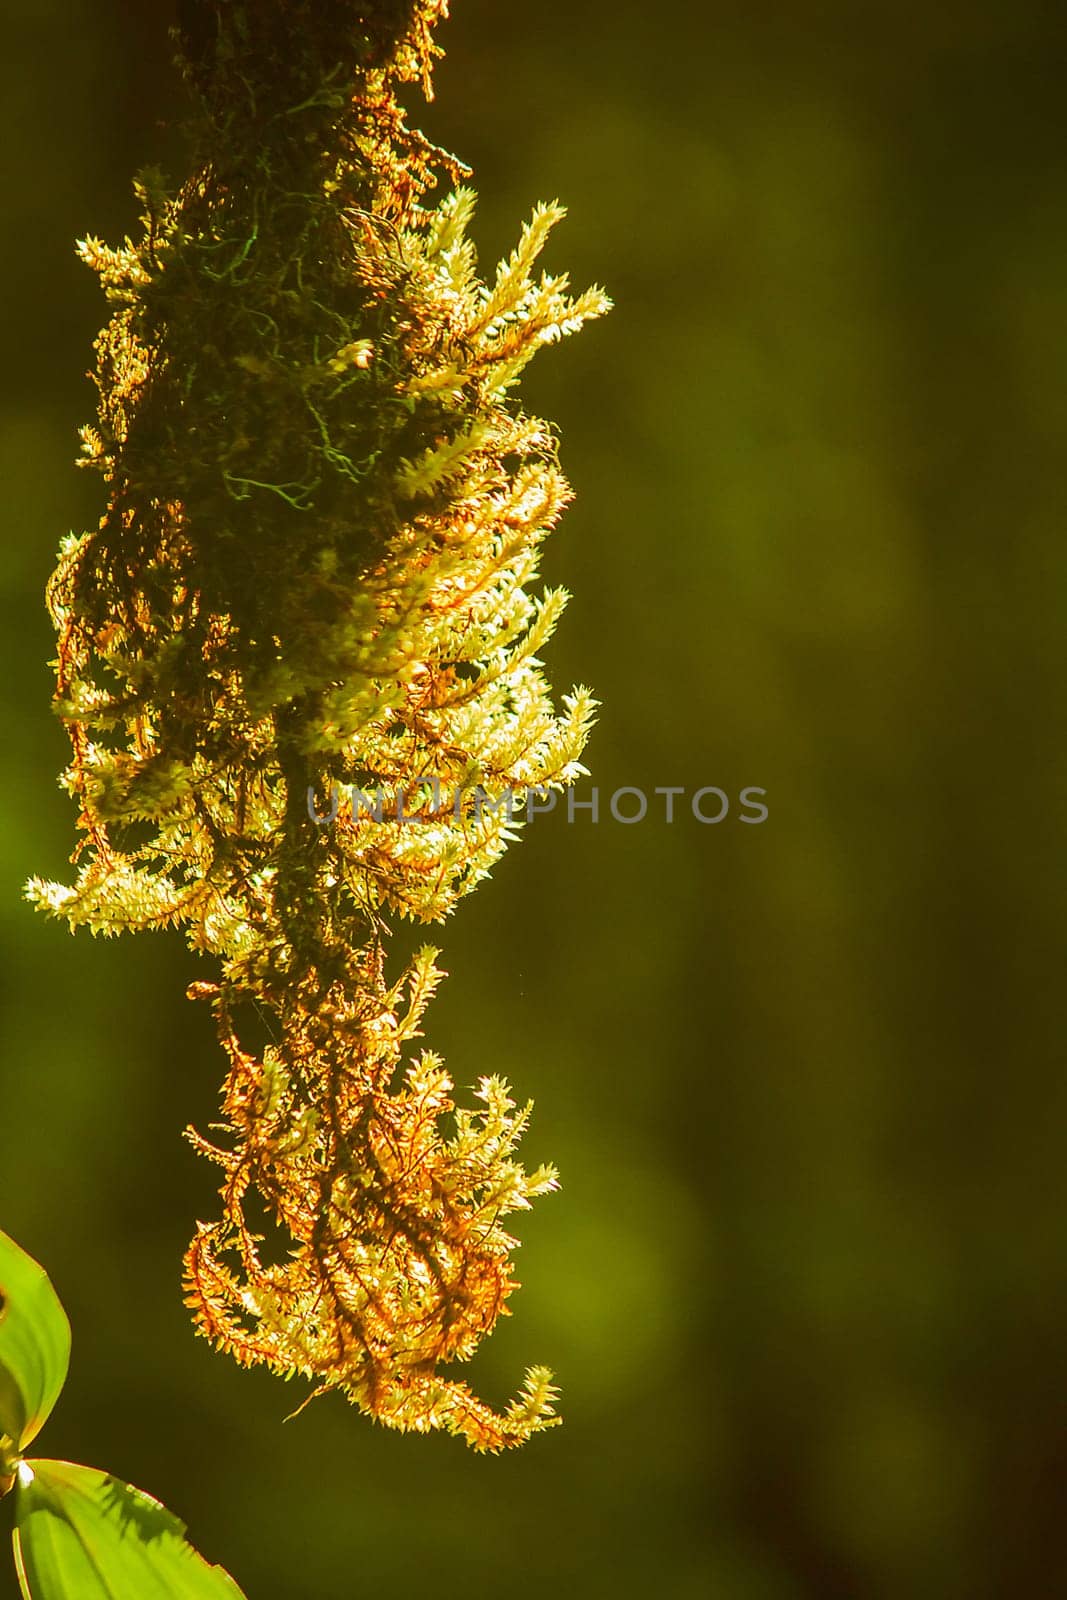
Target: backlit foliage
{"points": [[325, 512]]}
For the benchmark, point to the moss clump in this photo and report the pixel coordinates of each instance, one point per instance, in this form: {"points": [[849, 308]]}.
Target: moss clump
{"points": [[325, 511]]}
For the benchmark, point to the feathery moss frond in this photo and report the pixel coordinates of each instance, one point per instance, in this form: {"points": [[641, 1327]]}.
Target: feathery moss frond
{"points": [[324, 514]]}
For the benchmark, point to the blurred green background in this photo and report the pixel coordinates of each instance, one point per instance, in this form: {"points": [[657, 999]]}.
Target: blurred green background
{"points": [[806, 1285]]}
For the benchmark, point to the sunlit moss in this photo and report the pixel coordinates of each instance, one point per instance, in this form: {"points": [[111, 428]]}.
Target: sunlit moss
{"points": [[325, 511]]}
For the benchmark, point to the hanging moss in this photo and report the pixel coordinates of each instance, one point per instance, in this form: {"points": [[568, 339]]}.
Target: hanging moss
{"points": [[325, 513]]}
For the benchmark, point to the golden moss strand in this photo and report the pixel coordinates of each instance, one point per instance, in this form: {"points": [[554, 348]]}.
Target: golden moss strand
{"points": [[325, 511]]}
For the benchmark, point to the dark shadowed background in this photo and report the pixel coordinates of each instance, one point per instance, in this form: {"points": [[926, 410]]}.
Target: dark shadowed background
{"points": [[805, 1287]]}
